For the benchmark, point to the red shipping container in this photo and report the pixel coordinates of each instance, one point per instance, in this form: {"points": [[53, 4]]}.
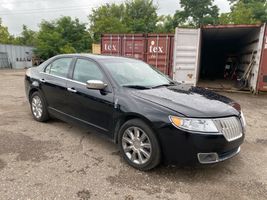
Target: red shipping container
{"points": [[155, 49], [134, 45], [159, 51]]}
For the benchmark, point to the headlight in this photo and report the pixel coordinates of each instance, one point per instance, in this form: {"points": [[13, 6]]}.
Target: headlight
{"points": [[243, 120], [194, 124]]}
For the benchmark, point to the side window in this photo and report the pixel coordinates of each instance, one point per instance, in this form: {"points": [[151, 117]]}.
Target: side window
{"points": [[59, 67], [86, 70]]}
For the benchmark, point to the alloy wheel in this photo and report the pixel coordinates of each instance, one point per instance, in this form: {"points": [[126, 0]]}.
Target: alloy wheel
{"points": [[136, 145], [37, 107]]}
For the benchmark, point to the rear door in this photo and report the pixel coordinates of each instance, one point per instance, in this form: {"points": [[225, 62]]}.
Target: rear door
{"points": [[186, 56], [92, 107]]}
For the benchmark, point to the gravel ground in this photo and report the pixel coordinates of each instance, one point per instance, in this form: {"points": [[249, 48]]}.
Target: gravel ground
{"points": [[56, 160]]}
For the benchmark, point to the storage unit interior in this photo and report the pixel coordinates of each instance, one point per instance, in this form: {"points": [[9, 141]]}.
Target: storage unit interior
{"points": [[225, 54]]}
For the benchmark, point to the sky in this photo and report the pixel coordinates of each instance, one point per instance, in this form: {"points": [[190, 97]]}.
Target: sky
{"points": [[15, 13]]}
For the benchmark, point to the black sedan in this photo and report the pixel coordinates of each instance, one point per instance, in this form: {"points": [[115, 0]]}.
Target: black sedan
{"points": [[152, 118]]}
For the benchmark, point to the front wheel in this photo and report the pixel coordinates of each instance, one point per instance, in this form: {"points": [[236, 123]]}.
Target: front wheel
{"points": [[38, 107], [139, 145]]}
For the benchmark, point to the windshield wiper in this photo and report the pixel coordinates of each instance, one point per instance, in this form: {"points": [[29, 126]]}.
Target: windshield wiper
{"points": [[164, 85], [141, 87]]}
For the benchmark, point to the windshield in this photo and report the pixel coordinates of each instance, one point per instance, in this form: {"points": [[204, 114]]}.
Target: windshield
{"points": [[135, 73]]}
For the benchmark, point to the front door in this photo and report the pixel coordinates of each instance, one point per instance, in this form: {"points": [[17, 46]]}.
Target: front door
{"points": [[93, 107]]}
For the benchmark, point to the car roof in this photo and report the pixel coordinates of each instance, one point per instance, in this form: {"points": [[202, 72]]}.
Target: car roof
{"points": [[98, 57]]}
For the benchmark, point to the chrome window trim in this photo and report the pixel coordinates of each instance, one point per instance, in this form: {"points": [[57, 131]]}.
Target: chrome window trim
{"points": [[109, 80], [67, 79]]}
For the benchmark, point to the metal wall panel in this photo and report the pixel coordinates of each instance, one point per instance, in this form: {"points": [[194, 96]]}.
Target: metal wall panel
{"points": [[18, 56], [4, 60]]}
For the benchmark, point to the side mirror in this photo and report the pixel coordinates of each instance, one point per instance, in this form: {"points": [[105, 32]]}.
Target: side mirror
{"points": [[96, 85]]}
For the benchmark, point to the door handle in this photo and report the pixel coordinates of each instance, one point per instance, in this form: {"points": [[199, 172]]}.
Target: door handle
{"points": [[42, 80], [72, 90]]}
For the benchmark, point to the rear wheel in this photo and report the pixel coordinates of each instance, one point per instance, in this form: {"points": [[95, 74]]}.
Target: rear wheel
{"points": [[139, 145], [38, 107]]}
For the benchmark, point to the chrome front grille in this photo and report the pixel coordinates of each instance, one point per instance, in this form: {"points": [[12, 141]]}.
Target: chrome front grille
{"points": [[230, 127]]}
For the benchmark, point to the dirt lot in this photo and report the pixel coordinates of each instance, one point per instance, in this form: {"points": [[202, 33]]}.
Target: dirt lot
{"points": [[56, 160]]}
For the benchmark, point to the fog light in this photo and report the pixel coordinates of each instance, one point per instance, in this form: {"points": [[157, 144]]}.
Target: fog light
{"points": [[206, 158]]}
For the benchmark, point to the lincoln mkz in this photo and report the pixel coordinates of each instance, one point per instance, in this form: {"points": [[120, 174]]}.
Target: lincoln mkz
{"points": [[151, 118]]}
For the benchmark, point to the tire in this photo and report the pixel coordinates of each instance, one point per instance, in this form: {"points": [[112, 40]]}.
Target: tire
{"points": [[38, 107], [143, 152]]}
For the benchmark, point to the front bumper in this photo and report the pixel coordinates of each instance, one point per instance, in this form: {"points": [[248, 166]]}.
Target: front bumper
{"points": [[181, 147]]}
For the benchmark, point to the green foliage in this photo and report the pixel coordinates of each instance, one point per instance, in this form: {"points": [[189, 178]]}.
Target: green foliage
{"points": [[165, 24], [197, 13], [28, 37], [67, 48], [245, 12], [62, 36], [5, 37], [133, 16], [140, 16], [107, 18]]}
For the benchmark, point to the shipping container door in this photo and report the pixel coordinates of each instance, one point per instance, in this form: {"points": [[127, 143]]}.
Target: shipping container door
{"points": [[158, 51], [111, 44], [133, 45], [186, 55]]}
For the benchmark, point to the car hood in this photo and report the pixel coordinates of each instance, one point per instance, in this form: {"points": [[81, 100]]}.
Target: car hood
{"points": [[189, 101]]}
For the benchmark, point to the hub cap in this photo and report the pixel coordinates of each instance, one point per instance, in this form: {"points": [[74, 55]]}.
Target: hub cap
{"points": [[37, 107], [136, 145]]}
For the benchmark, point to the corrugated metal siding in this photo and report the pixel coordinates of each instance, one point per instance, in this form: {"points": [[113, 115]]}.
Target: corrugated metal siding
{"points": [[155, 49], [111, 44], [262, 79], [133, 45], [18, 56], [159, 51], [4, 60]]}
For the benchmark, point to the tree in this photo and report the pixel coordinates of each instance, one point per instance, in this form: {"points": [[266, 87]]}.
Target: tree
{"points": [[133, 16], [5, 37], [165, 24], [74, 33], [28, 37], [107, 18], [245, 12], [63, 35], [140, 16], [197, 13]]}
